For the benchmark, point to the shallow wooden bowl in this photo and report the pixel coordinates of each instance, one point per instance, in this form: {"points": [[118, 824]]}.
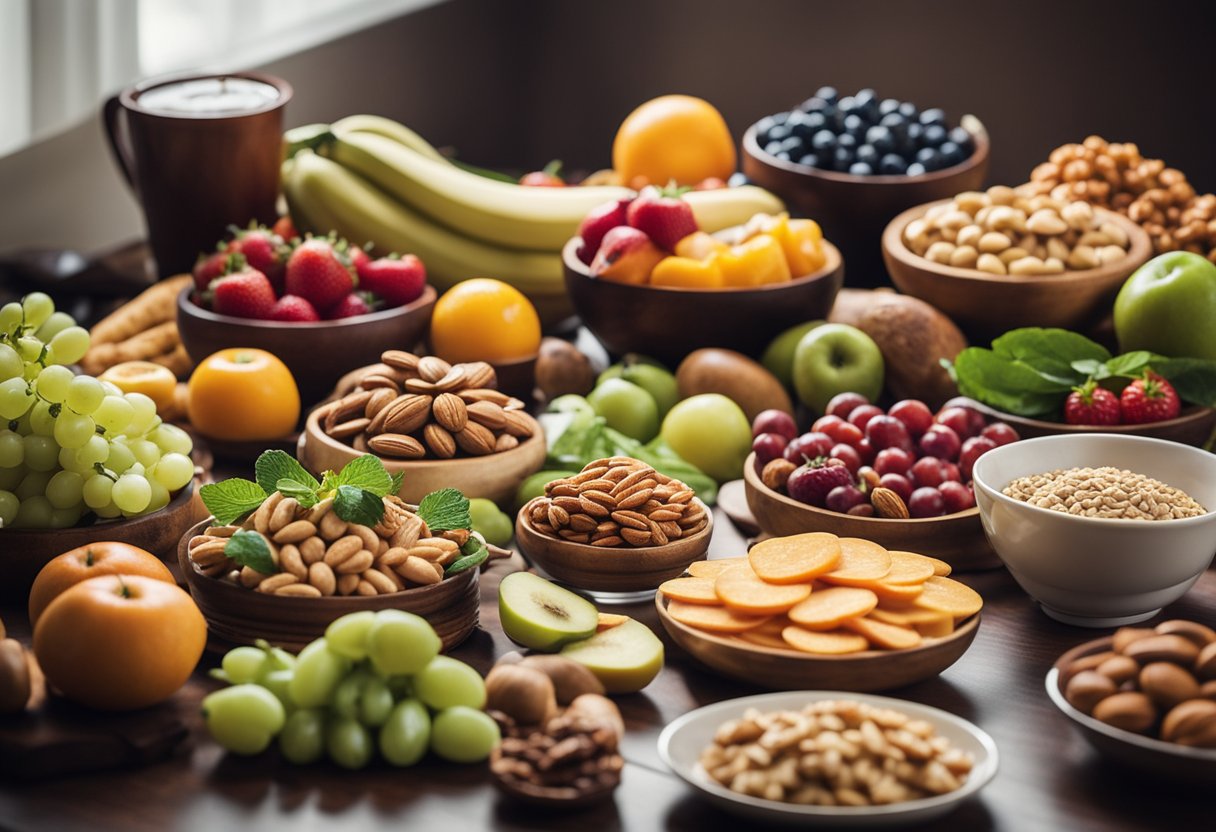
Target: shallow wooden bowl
{"points": [[616, 569], [990, 304], [236, 615], [668, 323], [854, 209], [317, 353], [495, 476], [23, 552], [548, 796], [781, 669], [958, 539]]}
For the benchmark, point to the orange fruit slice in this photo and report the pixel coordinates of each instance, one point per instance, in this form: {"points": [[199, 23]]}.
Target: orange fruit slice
{"points": [[795, 559], [950, 597], [862, 562], [712, 568], [743, 590], [911, 568], [881, 634], [691, 590], [832, 643], [827, 608], [714, 619]]}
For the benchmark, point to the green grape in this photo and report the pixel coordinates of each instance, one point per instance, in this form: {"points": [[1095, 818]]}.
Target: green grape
{"points": [[131, 493], [108, 511], [447, 682], [12, 449], [35, 513], [401, 642], [406, 733], [243, 718], [97, 491], [34, 485], [62, 518], [11, 316], [41, 452], [73, 430], [160, 496], [348, 743], [111, 388], [120, 458], [114, 414], [464, 735], [144, 411], [136, 468], [146, 453], [31, 371], [64, 489], [375, 703], [277, 657], [57, 323], [347, 636], [401, 686], [52, 384], [345, 701], [172, 440], [8, 508], [37, 307], [15, 398], [67, 459], [70, 345], [303, 738], [10, 478], [41, 420], [318, 672], [31, 349], [84, 394], [11, 365], [243, 664], [97, 449], [174, 471], [278, 682]]}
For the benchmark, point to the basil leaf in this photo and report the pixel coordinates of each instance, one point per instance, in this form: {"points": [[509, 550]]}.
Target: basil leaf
{"points": [[305, 495], [1050, 352], [366, 472], [358, 505], [1009, 386], [1130, 364], [273, 466], [445, 509], [473, 554], [1193, 378], [250, 549], [232, 498], [1091, 367]]}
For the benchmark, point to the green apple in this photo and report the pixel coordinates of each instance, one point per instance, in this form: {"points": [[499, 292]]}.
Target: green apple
{"points": [[625, 658], [575, 404], [1168, 306], [626, 407], [711, 432], [836, 358], [542, 615], [534, 486], [648, 374], [778, 357], [495, 526]]}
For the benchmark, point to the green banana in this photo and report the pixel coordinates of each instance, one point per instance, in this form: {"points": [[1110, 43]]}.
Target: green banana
{"points": [[389, 129], [727, 207]]}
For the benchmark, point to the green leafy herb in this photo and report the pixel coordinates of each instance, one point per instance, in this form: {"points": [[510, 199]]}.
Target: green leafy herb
{"points": [[473, 554], [1129, 365], [1006, 384], [366, 472], [250, 549], [358, 505], [1050, 352], [273, 466], [1193, 378], [396, 480], [445, 509], [232, 498], [305, 495]]}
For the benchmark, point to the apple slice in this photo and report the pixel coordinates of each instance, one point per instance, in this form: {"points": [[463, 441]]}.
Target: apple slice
{"points": [[625, 658], [542, 615]]}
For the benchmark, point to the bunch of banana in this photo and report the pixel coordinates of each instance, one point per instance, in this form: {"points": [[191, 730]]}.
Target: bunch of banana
{"points": [[372, 179]]}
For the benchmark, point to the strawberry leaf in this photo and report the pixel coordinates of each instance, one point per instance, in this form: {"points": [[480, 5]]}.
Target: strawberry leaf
{"points": [[232, 498], [250, 549], [273, 466]]}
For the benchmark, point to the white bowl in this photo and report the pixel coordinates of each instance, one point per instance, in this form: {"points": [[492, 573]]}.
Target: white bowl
{"points": [[681, 744], [1095, 572]]}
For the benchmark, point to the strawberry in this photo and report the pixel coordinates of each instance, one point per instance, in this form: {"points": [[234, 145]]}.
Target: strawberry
{"points": [[548, 177], [285, 228], [664, 217], [356, 303], [319, 274], [1090, 404], [1149, 399], [359, 258], [245, 293], [598, 222], [210, 266], [293, 308], [397, 280], [264, 250]]}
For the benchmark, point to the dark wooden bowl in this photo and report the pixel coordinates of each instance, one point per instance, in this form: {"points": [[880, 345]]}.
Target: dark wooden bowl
{"points": [[317, 353], [516, 378], [236, 615], [958, 539], [618, 569], [1193, 426], [668, 323], [990, 304], [23, 552], [790, 669], [853, 210]]}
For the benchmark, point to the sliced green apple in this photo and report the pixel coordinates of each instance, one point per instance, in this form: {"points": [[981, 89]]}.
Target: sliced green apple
{"points": [[542, 615], [625, 658]]}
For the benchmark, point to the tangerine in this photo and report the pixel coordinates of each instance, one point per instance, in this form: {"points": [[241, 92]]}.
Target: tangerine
{"points": [[673, 138], [484, 320]]}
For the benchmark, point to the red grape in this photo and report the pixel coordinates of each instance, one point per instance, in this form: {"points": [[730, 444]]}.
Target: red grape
{"points": [[958, 419], [774, 421], [956, 496], [942, 442], [926, 502], [768, 446], [862, 414], [842, 404], [866, 450], [893, 461], [928, 471], [807, 447], [888, 432], [843, 432], [823, 422], [844, 497], [972, 450], [950, 472], [915, 415], [898, 483], [1000, 433], [848, 455], [862, 510]]}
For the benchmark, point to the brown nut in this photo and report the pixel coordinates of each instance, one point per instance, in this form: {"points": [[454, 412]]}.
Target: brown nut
{"points": [[1201, 634], [1167, 684], [1208, 689], [1191, 723], [1126, 635], [1092, 662], [1086, 689], [450, 412], [1205, 663], [439, 440], [888, 503], [776, 473], [1119, 669], [1129, 710], [570, 679], [1156, 648], [523, 693]]}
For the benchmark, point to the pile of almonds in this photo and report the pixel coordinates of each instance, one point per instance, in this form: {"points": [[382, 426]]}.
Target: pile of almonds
{"points": [[617, 501], [411, 407], [317, 553]]}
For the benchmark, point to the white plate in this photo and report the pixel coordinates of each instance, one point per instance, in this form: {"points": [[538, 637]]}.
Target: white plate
{"points": [[681, 744]]}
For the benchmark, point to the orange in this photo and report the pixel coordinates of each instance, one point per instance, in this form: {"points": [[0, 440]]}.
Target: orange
{"points": [[153, 380], [673, 137], [120, 642], [107, 557], [484, 320], [243, 394]]}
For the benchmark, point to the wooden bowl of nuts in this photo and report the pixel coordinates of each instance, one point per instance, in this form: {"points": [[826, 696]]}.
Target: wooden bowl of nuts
{"points": [[1013, 261]]}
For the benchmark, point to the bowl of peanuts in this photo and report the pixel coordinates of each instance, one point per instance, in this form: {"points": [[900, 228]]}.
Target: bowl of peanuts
{"points": [[1102, 530], [876, 761], [996, 260]]}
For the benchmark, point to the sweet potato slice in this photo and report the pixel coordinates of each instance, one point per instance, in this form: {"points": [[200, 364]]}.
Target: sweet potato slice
{"points": [[911, 568], [828, 607], [862, 562], [881, 634], [935, 627], [743, 590], [902, 593], [908, 616], [713, 619], [768, 634], [795, 559], [833, 643], [712, 568], [691, 590], [949, 596]]}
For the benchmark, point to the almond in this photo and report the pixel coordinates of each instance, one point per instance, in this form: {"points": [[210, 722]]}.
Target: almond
{"points": [[475, 440], [636, 537], [631, 519], [479, 374], [400, 360], [397, 445], [450, 412], [383, 583], [488, 414], [505, 442], [273, 583], [381, 398], [432, 368], [519, 424], [441, 443], [407, 414], [420, 387], [452, 380], [349, 428], [348, 406], [602, 497], [888, 504], [298, 590], [483, 394], [295, 532], [379, 381]]}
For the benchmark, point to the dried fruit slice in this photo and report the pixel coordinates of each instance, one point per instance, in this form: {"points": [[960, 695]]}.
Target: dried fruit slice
{"points": [[936, 627], [714, 619], [906, 616], [862, 562], [795, 559], [827, 608], [949, 596], [881, 634], [911, 568], [742, 589], [832, 643], [608, 620], [691, 590], [901, 593], [768, 634], [712, 568]]}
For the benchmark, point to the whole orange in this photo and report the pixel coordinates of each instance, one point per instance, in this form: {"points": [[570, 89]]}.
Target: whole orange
{"points": [[243, 394], [153, 380], [484, 320], [107, 557], [673, 137], [120, 642]]}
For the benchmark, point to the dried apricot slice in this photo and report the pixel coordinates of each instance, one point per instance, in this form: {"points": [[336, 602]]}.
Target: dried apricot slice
{"points": [[833, 643], [862, 562], [911, 568], [881, 634], [827, 608], [714, 619], [742, 589], [795, 559], [768, 634], [949, 596], [691, 590], [712, 568]]}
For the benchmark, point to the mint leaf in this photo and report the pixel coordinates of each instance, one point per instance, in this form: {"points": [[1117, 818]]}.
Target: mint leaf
{"points": [[1092, 368], [445, 509], [1007, 385], [273, 466], [366, 472], [473, 554], [232, 498], [397, 479], [1131, 364], [1049, 352], [250, 549], [358, 505], [305, 495]]}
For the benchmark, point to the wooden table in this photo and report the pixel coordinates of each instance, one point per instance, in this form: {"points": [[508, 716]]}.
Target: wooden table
{"points": [[1049, 778]]}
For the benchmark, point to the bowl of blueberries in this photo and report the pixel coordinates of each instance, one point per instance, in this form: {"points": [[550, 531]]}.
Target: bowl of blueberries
{"points": [[855, 161]]}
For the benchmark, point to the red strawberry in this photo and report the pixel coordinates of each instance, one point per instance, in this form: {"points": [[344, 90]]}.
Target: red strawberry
{"points": [[664, 217], [243, 294], [598, 222], [319, 274], [1149, 399], [356, 303], [397, 280], [285, 228], [208, 267], [293, 308], [1090, 404], [358, 259], [264, 250], [548, 177]]}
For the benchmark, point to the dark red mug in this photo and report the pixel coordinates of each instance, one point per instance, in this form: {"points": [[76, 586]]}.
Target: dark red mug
{"points": [[201, 152]]}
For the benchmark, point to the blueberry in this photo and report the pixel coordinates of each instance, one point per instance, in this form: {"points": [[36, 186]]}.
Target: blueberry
{"points": [[824, 140], [815, 122], [860, 169], [813, 105], [794, 146], [783, 156], [847, 141], [896, 121], [810, 160], [888, 105], [773, 148], [929, 158], [933, 136], [828, 94], [951, 154], [961, 138], [867, 105], [869, 154], [738, 179], [892, 164], [779, 132], [847, 105], [842, 158], [882, 138], [912, 137], [800, 125], [854, 124], [934, 116], [915, 169], [908, 110], [763, 126], [865, 96]]}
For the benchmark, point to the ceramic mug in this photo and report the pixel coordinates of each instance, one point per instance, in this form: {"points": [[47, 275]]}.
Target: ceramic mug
{"points": [[201, 152]]}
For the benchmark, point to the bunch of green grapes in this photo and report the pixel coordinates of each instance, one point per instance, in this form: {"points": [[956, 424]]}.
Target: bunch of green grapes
{"points": [[374, 681], [71, 444]]}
